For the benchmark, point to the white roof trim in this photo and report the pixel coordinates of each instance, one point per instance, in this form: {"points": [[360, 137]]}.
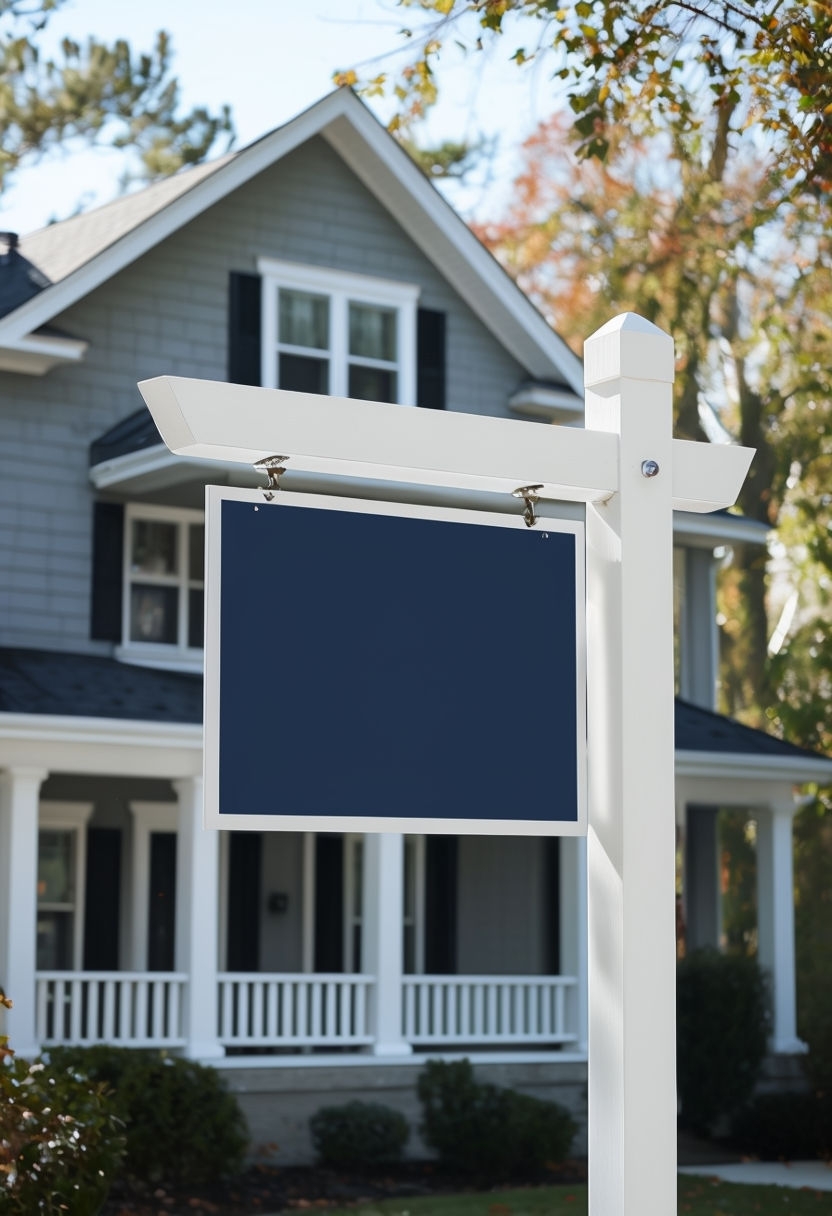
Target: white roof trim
{"points": [[542, 401], [63, 728], [746, 766], [708, 531], [35, 354], [399, 185]]}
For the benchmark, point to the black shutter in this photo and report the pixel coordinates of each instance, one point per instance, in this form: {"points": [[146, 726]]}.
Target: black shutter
{"points": [[101, 906], [244, 328], [329, 903], [107, 571], [440, 904], [161, 918], [244, 899], [430, 359], [551, 887]]}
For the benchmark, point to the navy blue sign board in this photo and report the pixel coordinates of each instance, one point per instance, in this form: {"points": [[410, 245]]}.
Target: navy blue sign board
{"points": [[376, 666]]}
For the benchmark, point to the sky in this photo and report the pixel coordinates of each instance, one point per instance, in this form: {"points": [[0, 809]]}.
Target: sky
{"points": [[270, 59]]}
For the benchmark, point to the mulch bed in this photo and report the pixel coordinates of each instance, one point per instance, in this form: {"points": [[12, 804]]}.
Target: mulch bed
{"points": [[269, 1189]]}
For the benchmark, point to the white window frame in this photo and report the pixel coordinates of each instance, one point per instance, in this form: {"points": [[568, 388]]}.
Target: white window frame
{"points": [[72, 818], [173, 656], [342, 289]]}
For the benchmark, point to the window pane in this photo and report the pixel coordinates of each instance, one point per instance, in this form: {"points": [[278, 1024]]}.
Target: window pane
{"points": [[196, 552], [55, 867], [372, 384], [153, 614], [195, 617], [304, 319], [54, 941], [373, 332], [154, 547], [304, 375]]}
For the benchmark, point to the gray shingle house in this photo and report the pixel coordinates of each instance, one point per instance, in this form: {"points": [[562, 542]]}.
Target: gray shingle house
{"points": [[319, 259]]}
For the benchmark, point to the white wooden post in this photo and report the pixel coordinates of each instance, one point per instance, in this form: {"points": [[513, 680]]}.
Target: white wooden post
{"points": [[197, 920], [775, 920], [629, 368], [19, 797], [381, 938]]}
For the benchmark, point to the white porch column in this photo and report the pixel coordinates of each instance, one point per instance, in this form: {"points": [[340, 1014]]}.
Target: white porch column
{"points": [[573, 926], [197, 920], [382, 936], [19, 796], [775, 920], [628, 369]]}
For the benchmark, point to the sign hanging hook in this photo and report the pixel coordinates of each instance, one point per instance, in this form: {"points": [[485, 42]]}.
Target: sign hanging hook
{"points": [[273, 467], [530, 497]]}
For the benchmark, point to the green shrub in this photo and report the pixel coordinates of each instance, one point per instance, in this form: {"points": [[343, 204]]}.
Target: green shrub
{"points": [[722, 1032], [487, 1131], [358, 1134], [60, 1143], [181, 1123], [785, 1127]]}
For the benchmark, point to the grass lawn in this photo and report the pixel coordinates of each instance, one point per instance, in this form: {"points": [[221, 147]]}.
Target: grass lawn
{"points": [[697, 1197]]}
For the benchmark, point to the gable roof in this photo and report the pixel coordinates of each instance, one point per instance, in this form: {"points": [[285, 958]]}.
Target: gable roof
{"points": [[81, 253]]}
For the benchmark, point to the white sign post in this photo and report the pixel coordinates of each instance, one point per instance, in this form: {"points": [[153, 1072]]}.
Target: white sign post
{"points": [[630, 474], [628, 372]]}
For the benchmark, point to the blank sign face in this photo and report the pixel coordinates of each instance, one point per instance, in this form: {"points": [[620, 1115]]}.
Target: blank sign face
{"points": [[374, 666]]}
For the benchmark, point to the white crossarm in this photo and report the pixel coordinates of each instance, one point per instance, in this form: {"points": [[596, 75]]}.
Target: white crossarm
{"points": [[370, 439]]}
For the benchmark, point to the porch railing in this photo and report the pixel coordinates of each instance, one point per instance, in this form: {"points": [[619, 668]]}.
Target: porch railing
{"points": [[131, 1008], [303, 1010], [488, 1009]]}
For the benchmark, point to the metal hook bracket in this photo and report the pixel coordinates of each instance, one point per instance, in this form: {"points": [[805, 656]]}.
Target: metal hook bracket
{"points": [[273, 467], [529, 496]]}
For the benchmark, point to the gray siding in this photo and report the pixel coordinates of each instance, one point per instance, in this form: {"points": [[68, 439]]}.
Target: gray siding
{"points": [[167, 314]]}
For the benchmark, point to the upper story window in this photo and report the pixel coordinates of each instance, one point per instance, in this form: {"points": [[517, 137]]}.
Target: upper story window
{"points": [[346, 335], [163, 599]]}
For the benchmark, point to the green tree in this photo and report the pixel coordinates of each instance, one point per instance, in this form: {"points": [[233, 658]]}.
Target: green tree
{"points": [[94, 91], [703, 243], [771, 60]]}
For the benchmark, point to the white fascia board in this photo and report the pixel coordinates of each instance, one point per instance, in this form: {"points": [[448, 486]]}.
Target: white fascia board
{"points": [[745, 767], [112, 747], [388, 173], [212, 189], [553, 405], [145, 462], [368, 439], [63, 728], [708, 531], [36, 354]]}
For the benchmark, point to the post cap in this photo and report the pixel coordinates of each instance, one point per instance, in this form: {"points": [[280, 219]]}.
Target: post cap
{"points": [[631, 346]]}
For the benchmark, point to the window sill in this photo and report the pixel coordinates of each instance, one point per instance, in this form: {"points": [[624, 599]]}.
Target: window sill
{"points": [[163, 658]]}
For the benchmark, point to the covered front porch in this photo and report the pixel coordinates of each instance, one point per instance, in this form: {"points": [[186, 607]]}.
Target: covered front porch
{"points": [[123, 921]]}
